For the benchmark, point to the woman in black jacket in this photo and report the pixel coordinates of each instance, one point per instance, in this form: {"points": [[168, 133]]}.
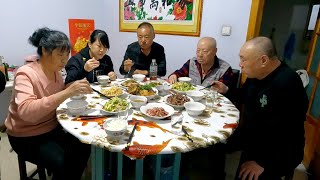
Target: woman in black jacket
{"points": [[90, 59]]}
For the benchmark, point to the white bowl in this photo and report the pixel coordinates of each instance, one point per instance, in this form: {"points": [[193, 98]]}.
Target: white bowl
{"points": [[76, 107], [77, 97], [163, 89], [195, 95], [115, 128], [103, 79], [184, 79], [138, 101], [166, 107], [194, 108], [138, 77]]}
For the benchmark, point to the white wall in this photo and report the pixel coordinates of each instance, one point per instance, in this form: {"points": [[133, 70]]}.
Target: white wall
{"points": [[20, 18], [179, 49]]}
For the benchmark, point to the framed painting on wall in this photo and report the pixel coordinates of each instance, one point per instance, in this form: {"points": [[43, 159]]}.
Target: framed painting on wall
{"points": [[80, 30], [177, 17]]}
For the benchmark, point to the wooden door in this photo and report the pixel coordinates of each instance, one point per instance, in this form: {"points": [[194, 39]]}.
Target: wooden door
{"points": [[312, 125]]}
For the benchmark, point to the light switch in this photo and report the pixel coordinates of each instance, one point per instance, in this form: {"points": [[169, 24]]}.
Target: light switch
{"points": [[226, 30]]}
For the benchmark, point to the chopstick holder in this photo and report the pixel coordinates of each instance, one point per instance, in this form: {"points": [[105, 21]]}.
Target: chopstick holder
{"points": [[131, 136]]}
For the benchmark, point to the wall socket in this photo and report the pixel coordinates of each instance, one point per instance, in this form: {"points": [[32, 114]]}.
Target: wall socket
{"points": [[226, 30]]}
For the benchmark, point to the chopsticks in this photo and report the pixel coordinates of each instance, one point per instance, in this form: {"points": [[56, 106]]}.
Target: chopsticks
{"points": [[187, 134], [99, 93], [207, 86], [86, 117], [131, 136]]}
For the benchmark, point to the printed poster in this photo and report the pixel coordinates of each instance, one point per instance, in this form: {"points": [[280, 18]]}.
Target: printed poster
{"points": [[80, 30]]}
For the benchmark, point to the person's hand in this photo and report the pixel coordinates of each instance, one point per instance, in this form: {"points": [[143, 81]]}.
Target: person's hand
{"points": [[222, 88], [172, 79], [79, 87], [127, 64], [91, 64], [137, 71], [250, 170], [112, 75]]}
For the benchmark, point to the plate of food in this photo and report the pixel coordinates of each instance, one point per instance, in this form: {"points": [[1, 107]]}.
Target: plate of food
{"points": [[182, 87], [115, 105], [111, 92], [143, 90], [129, 82], [177, 100], [157, 110]]}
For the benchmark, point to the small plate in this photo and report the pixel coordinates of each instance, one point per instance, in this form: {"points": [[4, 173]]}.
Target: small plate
{"points": [[166, 107]]}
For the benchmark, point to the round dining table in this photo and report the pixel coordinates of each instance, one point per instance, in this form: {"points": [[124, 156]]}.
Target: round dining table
{"points": [[151, 136]]}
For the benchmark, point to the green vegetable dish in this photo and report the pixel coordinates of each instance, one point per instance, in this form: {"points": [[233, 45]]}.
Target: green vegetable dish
{"points": [[116, 104], [183, 86]]}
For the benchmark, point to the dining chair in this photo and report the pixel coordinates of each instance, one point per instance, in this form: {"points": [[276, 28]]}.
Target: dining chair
{"points": [[41, 171]]}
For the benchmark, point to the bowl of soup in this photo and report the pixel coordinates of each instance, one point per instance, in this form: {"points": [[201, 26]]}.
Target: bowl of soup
{"points": [[103, 79], [138, 101]]}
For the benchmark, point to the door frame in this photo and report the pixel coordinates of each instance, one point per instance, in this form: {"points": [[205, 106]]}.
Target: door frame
{"points": [[254, 24]]}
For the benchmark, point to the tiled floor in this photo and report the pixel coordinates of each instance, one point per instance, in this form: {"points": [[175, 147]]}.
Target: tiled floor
{"points": [[9, 166]]}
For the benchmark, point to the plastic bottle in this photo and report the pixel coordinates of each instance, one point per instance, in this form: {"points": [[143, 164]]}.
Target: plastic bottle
{"points": [[153, 73]]}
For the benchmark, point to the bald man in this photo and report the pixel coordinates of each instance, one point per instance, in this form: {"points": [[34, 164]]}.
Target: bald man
{"points": [[206, 67], [271, 134]]}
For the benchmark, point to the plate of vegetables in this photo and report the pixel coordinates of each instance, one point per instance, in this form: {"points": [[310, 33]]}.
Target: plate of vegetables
{"points": [[182, 87], [116, 105]]}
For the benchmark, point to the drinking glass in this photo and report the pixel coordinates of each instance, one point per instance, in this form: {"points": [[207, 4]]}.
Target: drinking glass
{"points": [[123, 115], [98, 72], [176, 124], [211, 98]]}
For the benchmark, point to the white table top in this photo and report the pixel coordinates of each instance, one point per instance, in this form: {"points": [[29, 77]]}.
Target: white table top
{"points": [[205, 129]]}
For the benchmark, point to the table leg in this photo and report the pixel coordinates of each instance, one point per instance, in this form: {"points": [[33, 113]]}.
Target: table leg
{"points": [[139, 169], [157, 167], [176, 165], [97, 161], [119, 165]]}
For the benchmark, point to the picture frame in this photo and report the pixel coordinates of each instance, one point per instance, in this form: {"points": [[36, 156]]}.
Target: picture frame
{"points": [[174, 17]]}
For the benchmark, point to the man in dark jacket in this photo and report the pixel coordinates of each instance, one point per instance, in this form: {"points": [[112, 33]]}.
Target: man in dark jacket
{"points": [[139, 55], [271, 133]]}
